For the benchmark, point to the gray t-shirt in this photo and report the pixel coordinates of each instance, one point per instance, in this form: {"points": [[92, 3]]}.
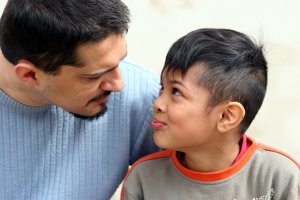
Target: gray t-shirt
{"points": [[262, 173]]}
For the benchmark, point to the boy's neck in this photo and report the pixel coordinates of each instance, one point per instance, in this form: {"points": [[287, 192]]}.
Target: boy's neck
{"points": [[211, 161]]}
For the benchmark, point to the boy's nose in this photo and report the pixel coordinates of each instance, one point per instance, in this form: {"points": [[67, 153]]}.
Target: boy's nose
{"points": [[159, 106]]}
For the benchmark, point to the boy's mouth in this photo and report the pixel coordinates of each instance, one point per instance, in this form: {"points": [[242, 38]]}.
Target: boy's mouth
{"points": [[157, 124]]}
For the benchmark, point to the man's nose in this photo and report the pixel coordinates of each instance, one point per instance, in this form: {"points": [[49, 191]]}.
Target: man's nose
{"points": [[113, 81]]}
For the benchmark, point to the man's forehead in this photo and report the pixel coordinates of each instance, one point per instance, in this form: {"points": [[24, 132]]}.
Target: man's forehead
{"points": [[115, 43]]}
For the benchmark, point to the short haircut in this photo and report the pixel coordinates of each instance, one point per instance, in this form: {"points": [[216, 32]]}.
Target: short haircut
{"points": [[48, 32], [234, 67]]}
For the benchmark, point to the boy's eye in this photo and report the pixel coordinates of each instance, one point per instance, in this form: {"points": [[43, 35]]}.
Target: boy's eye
{"points": [[176, 92], [161, 90]]}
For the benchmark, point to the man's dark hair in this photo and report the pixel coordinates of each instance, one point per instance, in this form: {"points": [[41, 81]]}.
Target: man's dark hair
{"points": [[234, 67], [48, 32]]}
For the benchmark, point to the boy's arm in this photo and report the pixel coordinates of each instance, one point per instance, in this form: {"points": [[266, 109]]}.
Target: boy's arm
{"points": [[131, 188], [295, 193], [128, 196]]}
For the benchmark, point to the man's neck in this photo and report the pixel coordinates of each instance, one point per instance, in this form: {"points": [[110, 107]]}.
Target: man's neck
{"points": [[15, 88]]}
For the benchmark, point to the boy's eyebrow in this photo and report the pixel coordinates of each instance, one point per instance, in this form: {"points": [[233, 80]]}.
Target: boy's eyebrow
{"points": [[174, 81]]}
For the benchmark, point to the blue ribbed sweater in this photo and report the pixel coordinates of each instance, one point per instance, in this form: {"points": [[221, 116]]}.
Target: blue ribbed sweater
{"points": [[46, 153]]}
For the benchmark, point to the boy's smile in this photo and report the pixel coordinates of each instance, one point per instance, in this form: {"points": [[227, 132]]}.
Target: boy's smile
{"points": [[156, 124]]}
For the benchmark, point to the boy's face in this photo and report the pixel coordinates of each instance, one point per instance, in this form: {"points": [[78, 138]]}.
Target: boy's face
{"points": [[182, 120]]}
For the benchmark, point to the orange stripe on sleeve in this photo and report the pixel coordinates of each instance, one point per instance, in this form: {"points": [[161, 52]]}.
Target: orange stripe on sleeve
{"points": [[265, 147]]}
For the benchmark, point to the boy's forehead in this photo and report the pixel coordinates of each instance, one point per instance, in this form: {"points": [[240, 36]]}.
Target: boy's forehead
{"points": [[172, 74], [193, 73]]}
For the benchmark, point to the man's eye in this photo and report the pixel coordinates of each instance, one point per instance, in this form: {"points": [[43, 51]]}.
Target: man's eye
{"points": [[176, 92], [93, 78]]}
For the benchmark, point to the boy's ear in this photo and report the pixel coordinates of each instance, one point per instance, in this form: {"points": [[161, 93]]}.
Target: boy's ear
{"points": [[231, 116], [26, 72]]}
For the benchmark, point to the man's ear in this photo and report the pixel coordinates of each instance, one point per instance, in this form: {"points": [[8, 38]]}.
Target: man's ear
{"points": [[231, 117], [26, 72]]}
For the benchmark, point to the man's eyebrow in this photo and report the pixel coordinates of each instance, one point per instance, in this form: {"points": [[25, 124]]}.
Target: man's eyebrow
{"points": [[99, 74]]}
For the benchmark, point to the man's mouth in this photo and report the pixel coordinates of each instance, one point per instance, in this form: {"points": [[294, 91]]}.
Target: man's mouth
{"points": [[101, 99]]}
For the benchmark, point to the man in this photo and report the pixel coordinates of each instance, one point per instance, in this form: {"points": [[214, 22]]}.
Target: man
{"points": [[67, 131]]}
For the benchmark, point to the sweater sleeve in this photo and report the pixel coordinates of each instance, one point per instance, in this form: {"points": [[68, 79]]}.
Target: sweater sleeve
{"points": [[142, 142], [144, 88]]}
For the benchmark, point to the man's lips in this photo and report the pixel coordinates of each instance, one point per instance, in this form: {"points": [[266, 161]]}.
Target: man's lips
{"points": [[103, 100], [157, 124]]}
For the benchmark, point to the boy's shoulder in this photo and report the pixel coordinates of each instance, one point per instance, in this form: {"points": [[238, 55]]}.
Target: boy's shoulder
{"points": [[271, 166], [151, 170], [151, 158], [276, 158], [149, 164], [263, 157], [274, 165]]}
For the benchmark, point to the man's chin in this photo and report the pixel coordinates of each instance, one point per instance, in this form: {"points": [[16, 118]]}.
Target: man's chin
{"points": [[92, 117]]}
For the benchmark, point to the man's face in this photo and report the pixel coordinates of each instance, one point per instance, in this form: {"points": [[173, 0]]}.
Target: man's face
{"points": [[84, 91]]}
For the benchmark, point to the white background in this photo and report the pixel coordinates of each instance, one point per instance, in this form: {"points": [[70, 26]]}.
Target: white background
{"points": [[156, 24]]}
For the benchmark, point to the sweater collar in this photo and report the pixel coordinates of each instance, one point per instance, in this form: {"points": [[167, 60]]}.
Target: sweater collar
{"points": [[11, 103]]}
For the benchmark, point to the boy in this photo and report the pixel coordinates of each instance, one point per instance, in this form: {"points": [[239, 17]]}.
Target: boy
{"points": [[213, 84]]}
